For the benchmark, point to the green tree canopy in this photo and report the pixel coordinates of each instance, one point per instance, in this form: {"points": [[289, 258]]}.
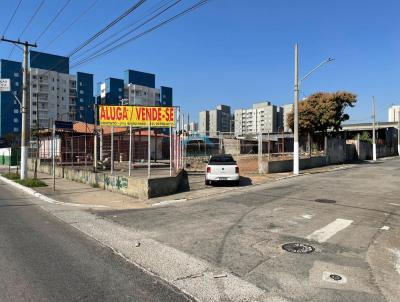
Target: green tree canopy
{"points": [[322, 111]]}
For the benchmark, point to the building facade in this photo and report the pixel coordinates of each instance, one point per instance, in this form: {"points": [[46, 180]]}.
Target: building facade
{"points": [[262, 118], [10, 113], [393, 114], [137, 88], [55, 94], [216, 121]]}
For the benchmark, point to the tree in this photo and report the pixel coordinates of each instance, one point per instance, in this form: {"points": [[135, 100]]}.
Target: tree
{"points": [[322, 111]]}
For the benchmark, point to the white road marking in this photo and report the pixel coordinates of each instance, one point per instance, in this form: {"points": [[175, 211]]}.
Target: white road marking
{"points": [[307, 216], [395, 204], [396, 253], [167, 202], [385, 228], [329, 230]]}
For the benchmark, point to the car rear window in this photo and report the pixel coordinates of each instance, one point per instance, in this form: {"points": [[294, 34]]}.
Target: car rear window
{"points": [[226, 159]]}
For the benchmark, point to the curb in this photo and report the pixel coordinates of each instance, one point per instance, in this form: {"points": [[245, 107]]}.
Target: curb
{"points": [[44, 197]]}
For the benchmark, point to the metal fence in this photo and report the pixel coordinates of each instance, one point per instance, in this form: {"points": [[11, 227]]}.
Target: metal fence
{"points": [[123, 151]]}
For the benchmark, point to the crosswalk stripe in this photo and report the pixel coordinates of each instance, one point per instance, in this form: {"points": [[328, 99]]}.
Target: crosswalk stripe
{"points": [[329, 230]]}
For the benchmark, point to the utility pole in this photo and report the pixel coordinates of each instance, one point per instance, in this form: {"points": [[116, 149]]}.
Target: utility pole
{"points": [[373, 130], [296, 112], [398, 133], [25, 102]]}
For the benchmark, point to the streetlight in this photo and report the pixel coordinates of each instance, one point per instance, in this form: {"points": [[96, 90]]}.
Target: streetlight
{"points": [[297, 83]]}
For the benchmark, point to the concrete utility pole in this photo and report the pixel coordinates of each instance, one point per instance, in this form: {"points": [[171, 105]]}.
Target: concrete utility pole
{"points": [[373, 130], [25, 102], [296, 112], [398, 133]]}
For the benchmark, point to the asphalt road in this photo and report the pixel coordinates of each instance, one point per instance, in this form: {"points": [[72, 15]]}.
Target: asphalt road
{"points": [[350, 217], [43, 259]]}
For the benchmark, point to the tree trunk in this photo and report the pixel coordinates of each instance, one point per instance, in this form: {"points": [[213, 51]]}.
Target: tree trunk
{"points": [[309, 144]]}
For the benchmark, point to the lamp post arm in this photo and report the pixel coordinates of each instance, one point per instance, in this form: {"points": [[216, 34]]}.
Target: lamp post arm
{"points": [[315, 68]]}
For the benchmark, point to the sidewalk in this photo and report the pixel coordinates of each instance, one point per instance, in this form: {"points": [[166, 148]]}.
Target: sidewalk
{"points": [[84, 195]]}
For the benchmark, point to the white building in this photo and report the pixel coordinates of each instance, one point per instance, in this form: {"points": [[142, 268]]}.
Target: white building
{"points": [[142, 95], [393, 115], [262, 118], [284, 111], [192, 127], [52, 97]]}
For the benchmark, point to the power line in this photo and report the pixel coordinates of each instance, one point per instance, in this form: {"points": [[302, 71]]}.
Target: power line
{"points": [[12, 18], [149, 12], [129, 32], [103, 30], [53, 20], [27, 25], [72, 23], [186, 11]]}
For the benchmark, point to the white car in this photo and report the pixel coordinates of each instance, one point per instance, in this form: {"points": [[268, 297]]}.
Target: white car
{"points": [[222, 168]]}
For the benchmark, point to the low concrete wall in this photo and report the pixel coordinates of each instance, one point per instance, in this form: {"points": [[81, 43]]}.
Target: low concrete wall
{"points": [[280, 166], [141, 188]]}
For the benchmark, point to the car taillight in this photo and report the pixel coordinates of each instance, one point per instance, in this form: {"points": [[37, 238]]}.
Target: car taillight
{"points": [[208, 169], [237, 170]]}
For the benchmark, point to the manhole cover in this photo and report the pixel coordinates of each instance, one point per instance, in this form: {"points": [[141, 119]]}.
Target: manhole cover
{"points": [[335, 277], [298, 248], [325, 200]]}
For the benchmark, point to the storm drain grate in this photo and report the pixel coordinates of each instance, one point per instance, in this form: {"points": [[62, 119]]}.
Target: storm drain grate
{"points": [[298, 248], [335, 277], [325, 200]]}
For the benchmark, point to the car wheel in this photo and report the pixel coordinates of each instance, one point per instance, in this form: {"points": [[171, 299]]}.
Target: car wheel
{"points": [[207, 182], [237, 182]]}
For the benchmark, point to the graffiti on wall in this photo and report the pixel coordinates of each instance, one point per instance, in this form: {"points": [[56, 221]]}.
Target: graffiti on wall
{"points": [[115, 183]]}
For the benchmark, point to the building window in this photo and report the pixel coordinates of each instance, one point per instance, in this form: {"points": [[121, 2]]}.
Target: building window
{"points": [[34, 86], [80, 84], [120, 89], [15, 120], [52, 88], [80, 91], [34, 77], [17, 84], [16, 129], [16, 74], [81, 100], [16, 111]]}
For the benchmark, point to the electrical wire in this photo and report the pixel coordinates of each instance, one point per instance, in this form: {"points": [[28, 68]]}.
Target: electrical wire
{"points": [[12, 18], [27, 25], [149, 12], [72, 23], [107, 27], [53, 20], [186, 11], [129, 32]]}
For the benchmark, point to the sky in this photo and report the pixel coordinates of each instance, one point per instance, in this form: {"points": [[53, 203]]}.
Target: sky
{"points": [[233, 52]]}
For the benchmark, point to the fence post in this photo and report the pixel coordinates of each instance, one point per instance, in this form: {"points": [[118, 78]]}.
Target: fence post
{"points": [[130, 150], [112, 149], [54, 156], [148, 151], [170, 150]]}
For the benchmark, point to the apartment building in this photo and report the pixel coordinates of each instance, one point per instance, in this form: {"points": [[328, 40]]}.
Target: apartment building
{"points": [[10, 114], [55, 94], [137, 88], [216, 121], [393, 114], [261, 118]]}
